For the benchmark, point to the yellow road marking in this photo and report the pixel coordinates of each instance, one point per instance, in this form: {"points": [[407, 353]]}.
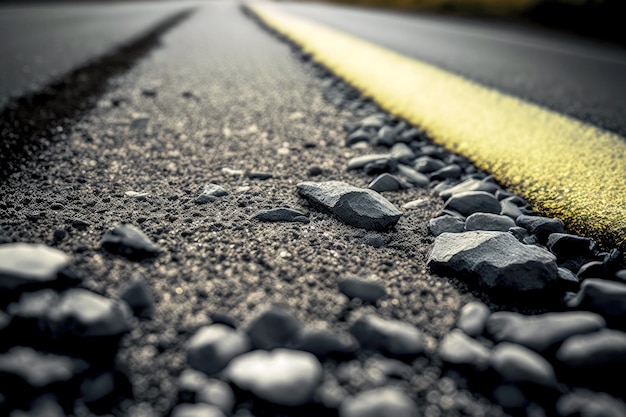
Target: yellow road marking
{"points": [[564, 167]]}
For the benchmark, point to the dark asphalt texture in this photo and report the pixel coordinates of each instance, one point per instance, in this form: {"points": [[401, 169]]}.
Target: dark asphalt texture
{"points": [[39, 43], [227, 94], [565, 73]]}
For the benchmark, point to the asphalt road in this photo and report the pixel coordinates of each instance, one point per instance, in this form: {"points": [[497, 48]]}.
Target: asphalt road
{"points": [[39, 43], [565, 73]]}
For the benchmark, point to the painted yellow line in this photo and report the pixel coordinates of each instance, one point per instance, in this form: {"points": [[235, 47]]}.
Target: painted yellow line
{"points": [[564, 167]]}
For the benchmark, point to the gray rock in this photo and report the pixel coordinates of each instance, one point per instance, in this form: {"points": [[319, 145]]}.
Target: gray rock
{"points": [[426, 164], [386, 182], [24, 264], [357, 136], [385, 137], [381, 166], [403, 153], [469, 202], [127, 240], [604, 297], [259, 175], [281, 214], [138, 297], [416, 178], [137, 195], [83, 314], [367, 290], [196, 410], [213, 347], [540, 226], [357, 207], [359, 162], [571, 246], [273, 328], [519, 365], [391, 337], [489, 221], [282, 376], [379, 402], [210, 192], [196, 387], [459, 349], [496, 259], [38, 370], [472, 318], [594, 355], [323, 343], [582, 403], [470, 184], [449, 171], [541, 332], [514, 207], [446, 224]]}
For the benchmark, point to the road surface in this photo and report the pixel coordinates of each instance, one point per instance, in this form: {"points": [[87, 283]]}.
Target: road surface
{"points": [[571, 75], [39, 43]]}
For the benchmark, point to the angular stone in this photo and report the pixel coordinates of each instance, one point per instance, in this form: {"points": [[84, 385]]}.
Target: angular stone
{"points": [[469, 202], [367, 290], [273, 328], [540, 226], [213, 347], [447, 172], [282, 376], [391, 337], [210, 192], [541, 332], [472, 318], [379, 402], [357, 207], [519, 365], [127, 240], [496, 259], [281, 214], [489, 221], [386, 182], [446, 224], [571, 246], [459, 349], [24, 264]]}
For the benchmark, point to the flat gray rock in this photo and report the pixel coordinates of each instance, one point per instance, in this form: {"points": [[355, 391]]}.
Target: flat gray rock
{"points": [[23, 264], [359, 162], [281, 214], [391, 337], [540, 226], [598, 354], [282, 376], [273, 328], [590, 404], [416, 178], [489, 221], [213, 347], [386, 182], [323, 343], [517, 364], [379, 402], [541, 332], [355, 206], [446, 224], [196, 410], [470, 202], [459, 349], [127, 240], [210, 192], [496, 259], [367, 290]]}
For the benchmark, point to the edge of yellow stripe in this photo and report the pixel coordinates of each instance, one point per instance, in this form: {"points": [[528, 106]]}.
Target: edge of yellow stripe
{"points": [[564, 167]]}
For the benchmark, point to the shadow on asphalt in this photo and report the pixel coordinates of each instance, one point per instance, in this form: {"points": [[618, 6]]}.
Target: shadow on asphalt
{"points": [[28, 123]]}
